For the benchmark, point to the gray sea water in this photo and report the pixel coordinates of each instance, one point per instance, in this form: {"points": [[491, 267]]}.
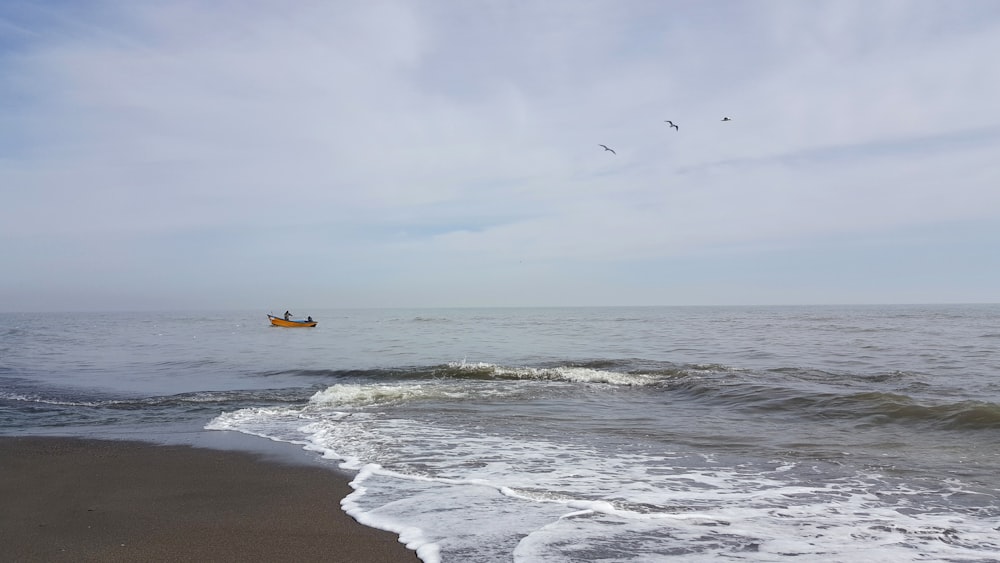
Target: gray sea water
{"points": [[828, 433]]}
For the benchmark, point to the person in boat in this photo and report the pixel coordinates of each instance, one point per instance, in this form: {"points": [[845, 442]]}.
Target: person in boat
{"points": [[288, 316], [309, 319]]}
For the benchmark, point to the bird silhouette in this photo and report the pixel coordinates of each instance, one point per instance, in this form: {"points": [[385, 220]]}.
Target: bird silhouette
{"points": [[607, 149], [672, 124], [726, 119]]}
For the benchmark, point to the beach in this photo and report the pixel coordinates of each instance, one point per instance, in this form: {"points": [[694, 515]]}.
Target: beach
{"points": [[549, 435], [103, 500]]}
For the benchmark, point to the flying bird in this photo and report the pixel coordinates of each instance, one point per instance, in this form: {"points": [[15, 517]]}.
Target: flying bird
{"points": [[672, 124], [726, 119], [607, 149]]}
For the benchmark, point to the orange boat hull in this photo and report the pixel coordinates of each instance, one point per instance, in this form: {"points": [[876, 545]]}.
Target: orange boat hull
{"points": [[278, 321]]}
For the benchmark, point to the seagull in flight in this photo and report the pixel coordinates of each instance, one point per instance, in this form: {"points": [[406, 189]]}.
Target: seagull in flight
{"points": [[672, 124], [607, 149], [726, 119]]}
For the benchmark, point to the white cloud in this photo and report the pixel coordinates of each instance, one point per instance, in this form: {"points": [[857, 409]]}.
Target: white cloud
{"points": [[405, 138]]}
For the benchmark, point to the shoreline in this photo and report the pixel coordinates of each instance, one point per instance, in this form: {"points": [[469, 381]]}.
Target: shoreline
{"points": [[84, 499]]}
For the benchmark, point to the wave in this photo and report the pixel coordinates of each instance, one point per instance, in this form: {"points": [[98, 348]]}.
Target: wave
{"points": [[350, 374], [895, 397], [865, 399], [594, 372], [420, 319], [451, 382], [962, 415], [865, 407], [200, 398], [369, 395], [579, 373], [828, 395]]}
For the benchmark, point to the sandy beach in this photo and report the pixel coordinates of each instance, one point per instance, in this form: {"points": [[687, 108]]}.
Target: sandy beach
{"points": [[95, 500]]}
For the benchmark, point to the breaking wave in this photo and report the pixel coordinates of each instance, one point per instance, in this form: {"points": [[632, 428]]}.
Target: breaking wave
{"points": [[866, 399]]}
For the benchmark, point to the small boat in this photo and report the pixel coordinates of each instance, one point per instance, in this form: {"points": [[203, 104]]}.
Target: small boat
{"points": [[278, 321]]}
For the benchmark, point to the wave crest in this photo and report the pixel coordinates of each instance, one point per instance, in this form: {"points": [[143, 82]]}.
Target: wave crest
{"points": [[568, 373]]}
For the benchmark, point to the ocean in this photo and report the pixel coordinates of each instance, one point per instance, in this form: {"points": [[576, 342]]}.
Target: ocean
{"points": [[798, 433]]}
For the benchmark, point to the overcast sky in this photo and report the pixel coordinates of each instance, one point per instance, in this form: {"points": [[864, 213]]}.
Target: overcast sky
{"points": [[312, 154]]}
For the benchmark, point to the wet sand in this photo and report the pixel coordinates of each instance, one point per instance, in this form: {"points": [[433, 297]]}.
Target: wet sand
{"points": [[95, 500]]}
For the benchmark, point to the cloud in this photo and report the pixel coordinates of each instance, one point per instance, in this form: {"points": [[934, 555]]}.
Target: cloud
{"points": [[404, 140]]}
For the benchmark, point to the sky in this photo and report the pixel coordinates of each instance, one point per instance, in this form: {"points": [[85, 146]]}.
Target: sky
{"points": [[269, 155]]}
